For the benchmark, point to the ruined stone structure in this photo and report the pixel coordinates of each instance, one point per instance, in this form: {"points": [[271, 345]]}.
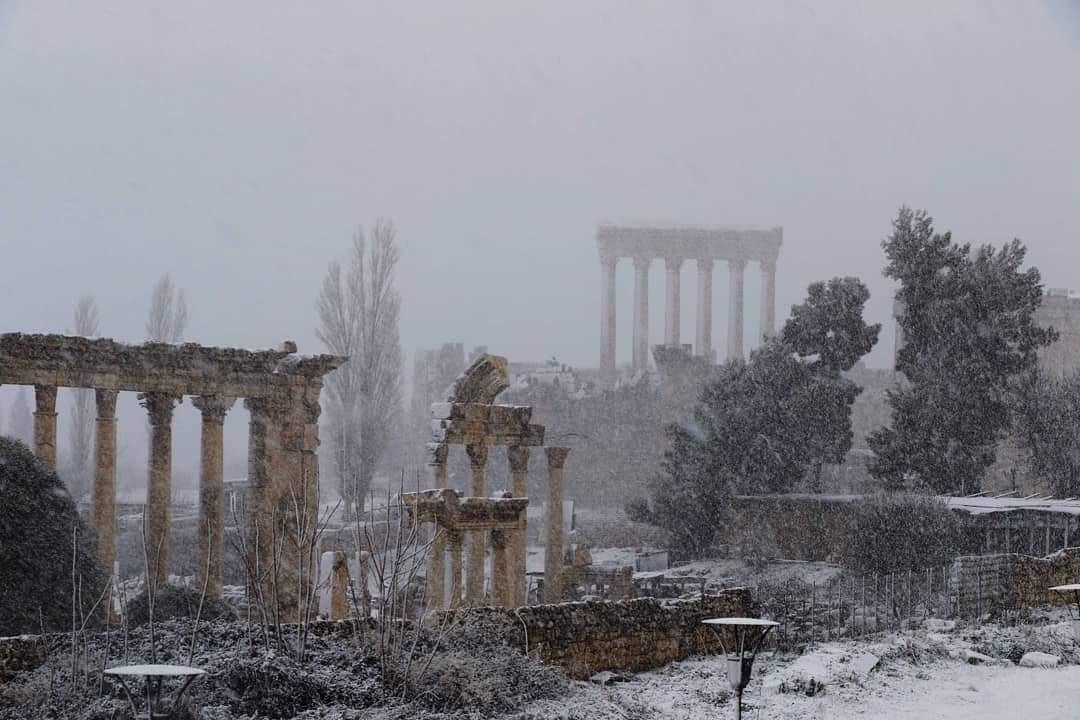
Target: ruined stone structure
{"points": [[471, 418], [673, 244], [281, 389]]}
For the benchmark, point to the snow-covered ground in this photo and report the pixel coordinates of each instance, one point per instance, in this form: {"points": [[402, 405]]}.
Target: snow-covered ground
{"points": [[927, 675]]}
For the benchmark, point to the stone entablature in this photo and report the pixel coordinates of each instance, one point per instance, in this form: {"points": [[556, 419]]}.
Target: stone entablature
{"points": [[674, 244], [280, 389], [687, 242]]}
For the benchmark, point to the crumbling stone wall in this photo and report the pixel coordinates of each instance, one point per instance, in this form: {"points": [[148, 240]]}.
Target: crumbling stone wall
{"points": [[1012, 581], [20, 653], [584, 638]]}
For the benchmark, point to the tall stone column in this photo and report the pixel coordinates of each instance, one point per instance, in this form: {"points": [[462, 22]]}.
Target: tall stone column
{"points": [[703, 341], [455, 540], [210, 565], [673, 303], [45, 425], [501, 584], [641, 313], [607, 312], [474, 580], [737, 268], [553, 524], [436, 574], [159, 406], [519, 549], [768, 299], [103, 494]]}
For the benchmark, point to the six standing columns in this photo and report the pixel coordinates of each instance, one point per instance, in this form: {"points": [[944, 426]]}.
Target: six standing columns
{"points": [[703, 339]]}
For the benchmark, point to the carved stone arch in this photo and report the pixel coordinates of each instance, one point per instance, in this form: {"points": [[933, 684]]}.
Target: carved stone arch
{"points": [[482, 381]]}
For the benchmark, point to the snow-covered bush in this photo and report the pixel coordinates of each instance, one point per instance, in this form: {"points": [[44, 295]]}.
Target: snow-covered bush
{"points": [[38, 521], [897, 533], [174, 601]]}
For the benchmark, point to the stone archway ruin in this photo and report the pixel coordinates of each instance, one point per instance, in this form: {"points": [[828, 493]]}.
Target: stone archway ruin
{"points": [[471, 417], [280, 389]]}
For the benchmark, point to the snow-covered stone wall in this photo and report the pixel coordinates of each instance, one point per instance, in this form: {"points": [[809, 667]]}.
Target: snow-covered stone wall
{"points": [[584, 638]]}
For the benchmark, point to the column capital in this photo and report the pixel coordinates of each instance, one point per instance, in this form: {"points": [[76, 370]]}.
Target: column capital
{"points": [[768, 263], [45, 399], [641, 262], [705, 263], [608, 259], [556, 456], [106, 404], [518, 455], [478, 456], [436, 453], [673, 263], [737, 264], [159, 406], [213, 407]]}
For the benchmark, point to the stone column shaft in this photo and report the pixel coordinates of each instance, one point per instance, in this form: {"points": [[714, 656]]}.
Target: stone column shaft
{"points": [[339, 587], [474, 580], [45, 425], [736, 268], [768, 299], [210, 565], [641, 313], [436, 571], [455, 541], [103, 494], [159, 407], [501, 585], [607, 313], [673, 304], [553, 523], [519, 549], [703, 341]]}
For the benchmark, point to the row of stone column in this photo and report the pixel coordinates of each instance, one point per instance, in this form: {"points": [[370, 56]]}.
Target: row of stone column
{"points": [[509, 549], [159, 407], [673, 303]]}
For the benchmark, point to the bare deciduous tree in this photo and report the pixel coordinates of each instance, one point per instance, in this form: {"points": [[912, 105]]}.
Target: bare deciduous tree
{"points": [[358, 314], [82, 406], [168, 313]]}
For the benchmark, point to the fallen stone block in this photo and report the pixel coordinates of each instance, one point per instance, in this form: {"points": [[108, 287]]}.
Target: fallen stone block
{"points": [[1039, 660]]}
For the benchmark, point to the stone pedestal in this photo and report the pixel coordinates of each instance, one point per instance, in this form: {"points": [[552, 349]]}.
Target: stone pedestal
{"points": [[553, 524], [210, 565], [45, 425], [103, 494], [159, 407], [474, 581], [519, 545]]}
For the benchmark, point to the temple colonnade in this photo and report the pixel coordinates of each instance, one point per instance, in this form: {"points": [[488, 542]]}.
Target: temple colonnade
{"points": [[673, 245]]}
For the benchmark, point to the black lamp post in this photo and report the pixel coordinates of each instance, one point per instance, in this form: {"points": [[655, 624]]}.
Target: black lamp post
{"points": [[749, 634]]}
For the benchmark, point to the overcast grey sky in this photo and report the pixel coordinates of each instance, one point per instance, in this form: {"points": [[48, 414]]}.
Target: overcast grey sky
{"points": [[237, 145]]}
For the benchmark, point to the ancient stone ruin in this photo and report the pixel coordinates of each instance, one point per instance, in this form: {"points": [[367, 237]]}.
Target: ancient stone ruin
{"points": [[281, 391], [674, 244], [470, 417]]}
